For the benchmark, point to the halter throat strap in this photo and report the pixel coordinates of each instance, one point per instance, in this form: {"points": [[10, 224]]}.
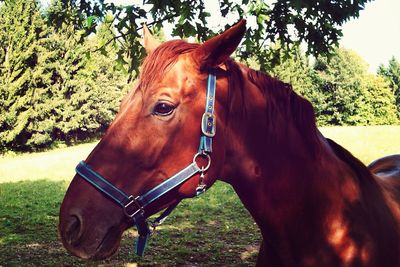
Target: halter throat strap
{"points": [[134, 207]]}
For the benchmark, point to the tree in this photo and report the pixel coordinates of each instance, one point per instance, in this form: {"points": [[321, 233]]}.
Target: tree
{"points": [[86, 89], [317, 23], [380, 101], [296, 70], [351, 96], [92, 91], [392, 75], [339, 80], [51, 87], [21, 83]]}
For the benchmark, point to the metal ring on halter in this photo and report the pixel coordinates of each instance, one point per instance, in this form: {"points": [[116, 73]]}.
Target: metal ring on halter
{"points": [[202, 154]]}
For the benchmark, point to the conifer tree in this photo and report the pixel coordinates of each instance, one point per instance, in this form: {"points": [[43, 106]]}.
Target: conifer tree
{"points": [[96, 90], [21, 83], [392, 75], [87, 89], [51, 87]]}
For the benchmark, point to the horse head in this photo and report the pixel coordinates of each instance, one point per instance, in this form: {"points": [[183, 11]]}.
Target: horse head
{"points": [[155, 135]]}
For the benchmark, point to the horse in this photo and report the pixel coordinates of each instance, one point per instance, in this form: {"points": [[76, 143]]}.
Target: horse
{"points": [[196, 115], [388, 167]]}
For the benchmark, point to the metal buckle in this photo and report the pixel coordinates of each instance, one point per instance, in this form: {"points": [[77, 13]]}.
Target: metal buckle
{"points": [[208, 124], [202, 187], [203, 169], [133, 200]]}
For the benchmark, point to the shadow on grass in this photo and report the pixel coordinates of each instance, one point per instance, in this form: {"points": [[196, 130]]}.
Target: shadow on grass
{"points": [[213, 230]]}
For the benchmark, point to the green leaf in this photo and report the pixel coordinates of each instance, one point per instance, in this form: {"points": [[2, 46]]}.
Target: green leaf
{"points": [[89, 21]]}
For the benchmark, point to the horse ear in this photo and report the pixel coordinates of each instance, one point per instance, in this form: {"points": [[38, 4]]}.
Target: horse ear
{"points": [[218, 49], [149, 42]]}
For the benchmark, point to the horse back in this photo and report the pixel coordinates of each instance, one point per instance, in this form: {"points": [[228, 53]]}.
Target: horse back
{"points": [[386, 167]]}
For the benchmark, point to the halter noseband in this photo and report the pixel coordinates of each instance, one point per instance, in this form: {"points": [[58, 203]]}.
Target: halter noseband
{"points": [[134, 207]]}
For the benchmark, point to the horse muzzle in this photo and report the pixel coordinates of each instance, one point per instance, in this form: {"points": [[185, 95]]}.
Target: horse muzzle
{"points": [[83, 240]]}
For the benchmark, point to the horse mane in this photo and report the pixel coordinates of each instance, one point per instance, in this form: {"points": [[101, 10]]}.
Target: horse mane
{"points": [[285, 107], [158, 62]]}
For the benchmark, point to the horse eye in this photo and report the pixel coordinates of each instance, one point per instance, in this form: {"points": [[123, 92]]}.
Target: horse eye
{"points": [[163, 109]]}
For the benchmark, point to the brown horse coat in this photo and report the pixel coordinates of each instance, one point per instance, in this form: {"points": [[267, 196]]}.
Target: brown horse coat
{"points": [[315, 203]]}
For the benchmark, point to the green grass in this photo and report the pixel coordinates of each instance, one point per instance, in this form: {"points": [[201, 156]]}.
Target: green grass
{"points": [[367, 143], [58, 164], [211, 230]]}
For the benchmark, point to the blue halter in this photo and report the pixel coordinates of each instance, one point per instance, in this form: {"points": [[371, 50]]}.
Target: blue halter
{"points": [[134, 207]]}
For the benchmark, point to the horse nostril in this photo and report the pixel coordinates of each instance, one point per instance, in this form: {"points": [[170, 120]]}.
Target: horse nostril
{"points": [[73, 230]]}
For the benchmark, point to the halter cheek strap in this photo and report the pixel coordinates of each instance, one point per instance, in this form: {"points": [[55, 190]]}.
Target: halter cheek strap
{"points": [[134, 207], [208, 121]]}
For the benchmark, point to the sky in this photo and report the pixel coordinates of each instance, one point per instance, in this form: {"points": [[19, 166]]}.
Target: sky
{"points": [[375, 34]]}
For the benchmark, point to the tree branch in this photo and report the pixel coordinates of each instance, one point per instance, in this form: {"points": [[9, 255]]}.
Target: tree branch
{"points": [[139, 28]]}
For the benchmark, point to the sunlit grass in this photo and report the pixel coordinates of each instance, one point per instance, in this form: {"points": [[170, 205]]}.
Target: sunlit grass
{"points": [[367, 143], [57, 164]]}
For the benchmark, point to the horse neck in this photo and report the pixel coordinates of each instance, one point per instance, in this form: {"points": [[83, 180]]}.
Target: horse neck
{"points": [[267, 155], [301, 189]]}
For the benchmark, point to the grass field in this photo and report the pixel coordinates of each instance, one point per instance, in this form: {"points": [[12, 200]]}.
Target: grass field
{"points": [[211, 230], [367, 143]]}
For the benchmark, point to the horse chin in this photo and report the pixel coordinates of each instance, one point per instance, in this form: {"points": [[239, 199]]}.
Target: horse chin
{"points": [[105, 249], [108, 246]]}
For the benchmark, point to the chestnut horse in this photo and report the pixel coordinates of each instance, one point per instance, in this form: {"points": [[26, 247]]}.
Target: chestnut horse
{"points": [[315, 203]]}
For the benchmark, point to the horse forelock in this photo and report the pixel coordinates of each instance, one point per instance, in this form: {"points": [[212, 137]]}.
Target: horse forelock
{"points": [[157, 63]]}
